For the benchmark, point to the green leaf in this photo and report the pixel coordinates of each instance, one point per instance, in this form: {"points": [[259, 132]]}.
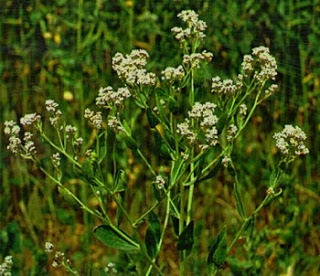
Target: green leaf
{"points": [[173, 106], [119, 212], [275, 177], [120, 183], [239, 200], [130, 141], [34, 211], [153, 235], [212, 173], [175, 223], [186, 240], [157, 193], [218, 251], [88, 169], [222, 122], [68, 197], [152, 119], [249, 227], [114, 238]]}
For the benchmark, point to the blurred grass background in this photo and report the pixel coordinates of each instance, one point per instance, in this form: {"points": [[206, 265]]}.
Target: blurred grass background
{"points": [[62, 50]]}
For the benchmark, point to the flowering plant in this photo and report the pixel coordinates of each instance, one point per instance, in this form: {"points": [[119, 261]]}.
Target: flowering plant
{"points": [[193, 137]]}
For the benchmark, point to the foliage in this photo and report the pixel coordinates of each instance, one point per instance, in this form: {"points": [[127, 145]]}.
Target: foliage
{"points": [[63, 51]]}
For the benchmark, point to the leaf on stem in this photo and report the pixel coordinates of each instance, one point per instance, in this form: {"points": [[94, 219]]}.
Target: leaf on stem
{"points": [[152, 118], [68, 198], [120, 183], [119, 212], [153, 235], [275, 177], [212, 173], [249, 227], [129, 141], [185, 241], [218, 251], [115, 239], [239, 200], [175, 224]]}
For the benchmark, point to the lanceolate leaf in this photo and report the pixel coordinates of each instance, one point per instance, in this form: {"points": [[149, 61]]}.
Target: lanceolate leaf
{"points": [[120, 183], [218, 251], [212, 173], [239, 200], [153, 235], [115, 239], [186, 240]]}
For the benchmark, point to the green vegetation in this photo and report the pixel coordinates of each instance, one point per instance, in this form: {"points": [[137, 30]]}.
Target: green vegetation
{"points": [[256, 216]]}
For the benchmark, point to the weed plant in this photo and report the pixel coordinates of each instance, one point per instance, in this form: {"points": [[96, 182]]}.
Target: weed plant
{"points": [[163, 140]]}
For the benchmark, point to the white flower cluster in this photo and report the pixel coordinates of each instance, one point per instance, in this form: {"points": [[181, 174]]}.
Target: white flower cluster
{"points": [[29, 119], [194, 30], [171, 74], [193, 60], [226, 87], [13, 130], [59, 258], [204, 121], [52, 107], [95, 118], [5, 267], [261, 64], [56, 160], [27, 148], [132, 68], [159, 182], [115, 124], [290, 141], [107, 97]]}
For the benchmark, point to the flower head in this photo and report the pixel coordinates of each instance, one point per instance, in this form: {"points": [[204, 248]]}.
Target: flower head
{"points": [[131, 68], [225, 87], [261, 64], [290, 141], [171, 74], [159, 182], [11, 128], [193, 60], [194, 30], [94, 118], [5, 267], [107, 97], [48, 247], [52, 107], [29, 119], [204, 124]]}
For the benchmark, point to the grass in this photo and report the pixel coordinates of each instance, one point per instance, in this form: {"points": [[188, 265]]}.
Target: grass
{"points": [[63, 52]]}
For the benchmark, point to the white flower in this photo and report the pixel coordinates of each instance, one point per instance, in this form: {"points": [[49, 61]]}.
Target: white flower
{"points": [[290, 141]]}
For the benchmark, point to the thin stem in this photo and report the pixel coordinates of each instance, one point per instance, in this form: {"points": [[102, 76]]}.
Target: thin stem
{"points": [[146, 162], [61, 150], [165, 223]]}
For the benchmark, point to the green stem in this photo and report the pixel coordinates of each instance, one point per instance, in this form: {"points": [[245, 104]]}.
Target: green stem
{"points": [[165, 223], [146, 162], [61, 150]]}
